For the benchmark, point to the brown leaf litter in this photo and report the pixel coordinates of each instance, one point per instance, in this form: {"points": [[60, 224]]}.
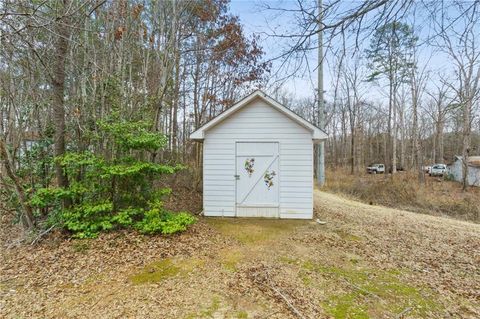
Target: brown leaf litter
{"points": [[366, 262]]}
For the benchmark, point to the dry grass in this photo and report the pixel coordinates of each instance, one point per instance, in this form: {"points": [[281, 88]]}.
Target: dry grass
{"points": [[436, 197], [366, 262], [254, 230]]}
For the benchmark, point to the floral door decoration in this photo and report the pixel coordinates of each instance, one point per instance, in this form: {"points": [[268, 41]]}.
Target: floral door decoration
{"points": [[249, 163], [268, 178]]}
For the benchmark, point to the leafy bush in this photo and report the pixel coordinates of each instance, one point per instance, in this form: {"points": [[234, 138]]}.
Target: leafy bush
{"points": [[113, 189], [157, 221]]}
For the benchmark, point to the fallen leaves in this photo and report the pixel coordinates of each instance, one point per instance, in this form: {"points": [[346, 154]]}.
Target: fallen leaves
{"points": [[232, 268]]}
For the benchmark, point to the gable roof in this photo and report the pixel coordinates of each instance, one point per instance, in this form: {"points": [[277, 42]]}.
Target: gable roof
{"points": [[317, 133], [473, 161]]}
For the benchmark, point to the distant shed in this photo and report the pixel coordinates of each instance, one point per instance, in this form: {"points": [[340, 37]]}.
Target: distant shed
{"points": [[456, 170], [258, 161]]}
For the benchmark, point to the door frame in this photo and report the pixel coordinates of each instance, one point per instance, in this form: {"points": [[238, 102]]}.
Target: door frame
{"points": [[235, 172]]}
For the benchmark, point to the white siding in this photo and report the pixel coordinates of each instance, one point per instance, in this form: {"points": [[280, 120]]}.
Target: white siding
{"points": [[473, 173], [258, 122], [456, 170]]}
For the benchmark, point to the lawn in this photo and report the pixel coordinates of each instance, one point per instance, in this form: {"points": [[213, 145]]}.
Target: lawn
{"points": [[366, 262]]}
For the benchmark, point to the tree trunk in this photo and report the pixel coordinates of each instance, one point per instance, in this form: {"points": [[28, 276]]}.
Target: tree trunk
{"points": [[416, 160], [402, 135], [388, 163], [394, 135], [27, 216], [440, 145], [466, 142], [58, 83], [176, 101], [352, 152]]}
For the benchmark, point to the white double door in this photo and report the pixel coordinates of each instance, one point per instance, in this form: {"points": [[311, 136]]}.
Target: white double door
{"points": [[257, 179]]}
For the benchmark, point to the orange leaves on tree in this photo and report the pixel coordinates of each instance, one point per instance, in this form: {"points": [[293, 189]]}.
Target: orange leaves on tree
{"points": [[137, 10], [119, 32]]}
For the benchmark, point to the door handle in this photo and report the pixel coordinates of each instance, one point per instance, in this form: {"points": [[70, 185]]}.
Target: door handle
{"points": [[236, 176]]}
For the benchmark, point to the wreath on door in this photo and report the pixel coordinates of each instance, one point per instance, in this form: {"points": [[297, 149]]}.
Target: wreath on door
{"points": [[268, 178], [249, 163]]}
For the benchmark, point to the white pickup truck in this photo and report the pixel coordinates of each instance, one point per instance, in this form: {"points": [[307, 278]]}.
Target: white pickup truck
{"points": [[438, 170], [376, 169]]}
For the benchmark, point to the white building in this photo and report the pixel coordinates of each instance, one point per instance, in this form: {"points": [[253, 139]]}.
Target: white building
{"points": [[258, 161], [456, 170]]}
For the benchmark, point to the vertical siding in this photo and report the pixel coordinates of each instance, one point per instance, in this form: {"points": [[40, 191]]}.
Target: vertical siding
{"points": [[258, 122]]}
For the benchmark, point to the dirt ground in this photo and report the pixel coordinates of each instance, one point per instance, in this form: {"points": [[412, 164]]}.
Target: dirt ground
{"points": [[366, 262]]}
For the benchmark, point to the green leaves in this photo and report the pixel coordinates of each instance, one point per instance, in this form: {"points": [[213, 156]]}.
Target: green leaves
{"points": [[158, 221], [88, 219], [138, 168], [114, 189], [45, 197], [390, 51], [134, 135]]}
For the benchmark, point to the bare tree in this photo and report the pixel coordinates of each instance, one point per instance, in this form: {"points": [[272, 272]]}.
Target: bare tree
{"points": [[354, 76], [418, 79], [461, 44]]}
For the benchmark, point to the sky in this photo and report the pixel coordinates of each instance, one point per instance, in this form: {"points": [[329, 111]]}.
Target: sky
{"points": [[256, 19]]}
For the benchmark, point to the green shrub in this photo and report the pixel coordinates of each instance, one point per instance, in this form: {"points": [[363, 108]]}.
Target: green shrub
{"points": [[113, 189], [157, 221]]}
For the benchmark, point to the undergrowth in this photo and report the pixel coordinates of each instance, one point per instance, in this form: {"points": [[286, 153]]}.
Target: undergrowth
{"points": [[435, 196], [114, 188]]}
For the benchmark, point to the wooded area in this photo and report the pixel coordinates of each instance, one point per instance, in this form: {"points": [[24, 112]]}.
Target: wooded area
{"points": [[404, 85], [101, 187], [72, 68], [117, 86]]}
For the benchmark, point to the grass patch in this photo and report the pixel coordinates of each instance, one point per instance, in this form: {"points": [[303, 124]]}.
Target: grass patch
{"points": [[306, 279], [347, 236], [288, 260], [209, 311], [231, 258], [242, 315], [346, 306], [81, 246], [164, 269], [303, 275], [254, 230], [371, 292]]}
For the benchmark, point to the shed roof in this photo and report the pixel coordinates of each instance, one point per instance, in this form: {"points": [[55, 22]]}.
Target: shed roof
{"points": [[317, 133], [473, 161]]}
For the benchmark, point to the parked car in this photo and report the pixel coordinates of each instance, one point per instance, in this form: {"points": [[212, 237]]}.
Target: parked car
{"points": [[376, 169], [438, 170]]}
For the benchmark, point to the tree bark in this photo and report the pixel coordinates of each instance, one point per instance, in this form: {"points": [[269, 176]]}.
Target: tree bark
{"points": [[58, 84], [27, 216], [466, 142], [394, 135]]}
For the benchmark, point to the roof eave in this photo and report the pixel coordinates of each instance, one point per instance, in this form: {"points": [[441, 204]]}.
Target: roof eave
{"points": [[319, 136], [197, 135]]}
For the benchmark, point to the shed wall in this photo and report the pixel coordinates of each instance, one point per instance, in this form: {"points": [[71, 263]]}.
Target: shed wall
{"points": [[473, 178], [258, 122]]}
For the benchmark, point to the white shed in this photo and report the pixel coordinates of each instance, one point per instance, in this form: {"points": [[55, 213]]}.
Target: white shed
{"points": [[456, 170], [258, 161]]}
